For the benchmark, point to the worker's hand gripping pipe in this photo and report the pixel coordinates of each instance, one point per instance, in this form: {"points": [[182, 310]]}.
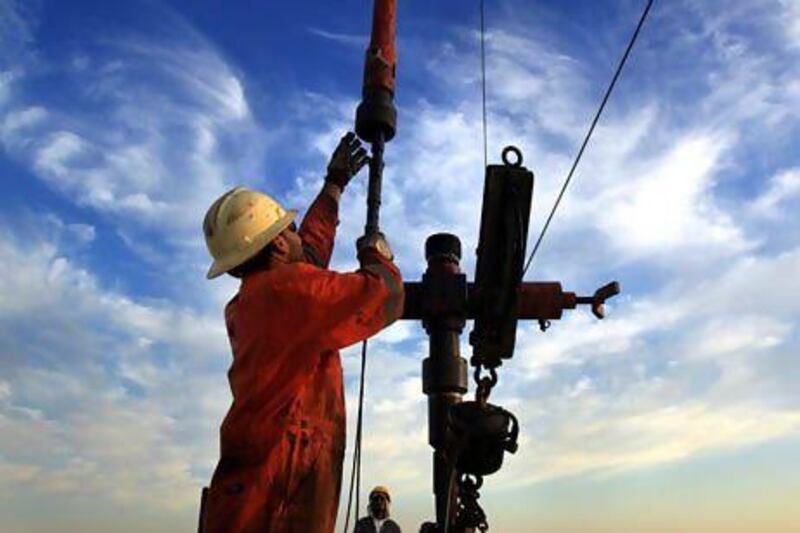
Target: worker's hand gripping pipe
{"points": [[376, 117]]}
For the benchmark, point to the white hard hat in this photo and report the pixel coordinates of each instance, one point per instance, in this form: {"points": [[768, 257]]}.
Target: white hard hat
{"points": [[239, 225]]}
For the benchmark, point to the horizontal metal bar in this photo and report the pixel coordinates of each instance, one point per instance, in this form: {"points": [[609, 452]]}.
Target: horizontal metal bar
{"points": [[538, 301]]}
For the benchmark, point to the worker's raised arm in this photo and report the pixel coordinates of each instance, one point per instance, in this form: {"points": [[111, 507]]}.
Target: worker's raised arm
{"points": [[318, 229]]}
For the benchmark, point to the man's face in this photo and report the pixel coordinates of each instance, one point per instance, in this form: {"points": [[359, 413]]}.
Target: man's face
{"points": [[379, 505]]}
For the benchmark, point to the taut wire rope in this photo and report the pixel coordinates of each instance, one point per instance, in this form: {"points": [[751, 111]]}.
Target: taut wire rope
{"points": [[589, 133]]}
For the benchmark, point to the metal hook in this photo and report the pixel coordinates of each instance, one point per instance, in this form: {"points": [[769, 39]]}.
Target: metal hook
{"points": [[599, 298]]}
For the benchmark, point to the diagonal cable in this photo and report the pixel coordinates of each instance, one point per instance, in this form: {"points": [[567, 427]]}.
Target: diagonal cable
{"points": [[589, 133]]}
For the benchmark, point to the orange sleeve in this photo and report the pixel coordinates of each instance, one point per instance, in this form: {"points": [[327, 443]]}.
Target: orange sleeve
{"points": [[318, 230], [340, 309]]}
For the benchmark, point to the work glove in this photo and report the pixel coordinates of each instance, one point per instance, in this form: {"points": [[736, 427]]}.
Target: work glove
{"points": [[376, 241], [348, 158]]}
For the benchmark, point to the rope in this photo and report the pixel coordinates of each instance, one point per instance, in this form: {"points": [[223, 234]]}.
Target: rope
{"points": [[591, 130], [355, 473], [483, 86]]}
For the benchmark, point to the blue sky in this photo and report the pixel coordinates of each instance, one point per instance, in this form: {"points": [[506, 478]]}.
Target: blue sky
{"points": [[121, 122]]}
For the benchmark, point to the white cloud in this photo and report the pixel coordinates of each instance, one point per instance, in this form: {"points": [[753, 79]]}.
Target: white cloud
{"points": [[90, 407], [790, 17], [5, 390], [360, 41], [783, 187], [521, 70], [69, 237], [670, 206], [117, 157], [156, 128], [58, 152], [197, 66], [614, 443], [18, 22], [749, 333], [6, 80], [18, 120]]}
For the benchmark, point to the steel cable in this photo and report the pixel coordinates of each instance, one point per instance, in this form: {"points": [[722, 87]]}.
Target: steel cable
{"points": [[483, 86], [355, 473], [589, 133]]}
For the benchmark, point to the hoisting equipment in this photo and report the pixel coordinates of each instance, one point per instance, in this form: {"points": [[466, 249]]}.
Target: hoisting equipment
{"points": [[469, 438]]}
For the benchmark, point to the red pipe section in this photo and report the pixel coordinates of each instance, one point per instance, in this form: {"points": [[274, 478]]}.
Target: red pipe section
{"points": [[381, 62]]}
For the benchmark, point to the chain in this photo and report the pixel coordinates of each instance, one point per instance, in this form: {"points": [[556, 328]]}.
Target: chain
{"points": [[470, 513], [484, 384]]}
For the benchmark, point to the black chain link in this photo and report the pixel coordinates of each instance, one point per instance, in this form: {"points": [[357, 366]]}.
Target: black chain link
{"points": [[484, 384], [470, 513]]}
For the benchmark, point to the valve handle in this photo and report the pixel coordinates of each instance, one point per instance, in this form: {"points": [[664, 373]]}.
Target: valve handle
{"points": [[609, 290]]}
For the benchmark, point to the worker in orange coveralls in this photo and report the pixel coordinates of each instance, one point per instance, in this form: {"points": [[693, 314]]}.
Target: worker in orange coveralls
{"points": [[282, 441]]}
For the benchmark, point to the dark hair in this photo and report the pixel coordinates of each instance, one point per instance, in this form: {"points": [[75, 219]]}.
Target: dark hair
{"points": [[260, 261]]}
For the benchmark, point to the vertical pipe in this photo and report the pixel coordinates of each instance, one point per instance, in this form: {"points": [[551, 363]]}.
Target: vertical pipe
{"points": [[374, 186], [380, 69], [376, 113], [443, 362], [444, 371]]}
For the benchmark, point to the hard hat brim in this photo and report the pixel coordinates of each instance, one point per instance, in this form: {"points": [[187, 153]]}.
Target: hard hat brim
{"points": [[247, 252]]}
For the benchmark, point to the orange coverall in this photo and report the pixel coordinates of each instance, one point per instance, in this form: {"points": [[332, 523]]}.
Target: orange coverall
{"points": [[282, 442]]}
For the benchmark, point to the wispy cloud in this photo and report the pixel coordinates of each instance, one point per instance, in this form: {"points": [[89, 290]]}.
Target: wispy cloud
{"points": [[88, 403], [158, 130], [18, 23], [341, 38], [784, 188]]}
